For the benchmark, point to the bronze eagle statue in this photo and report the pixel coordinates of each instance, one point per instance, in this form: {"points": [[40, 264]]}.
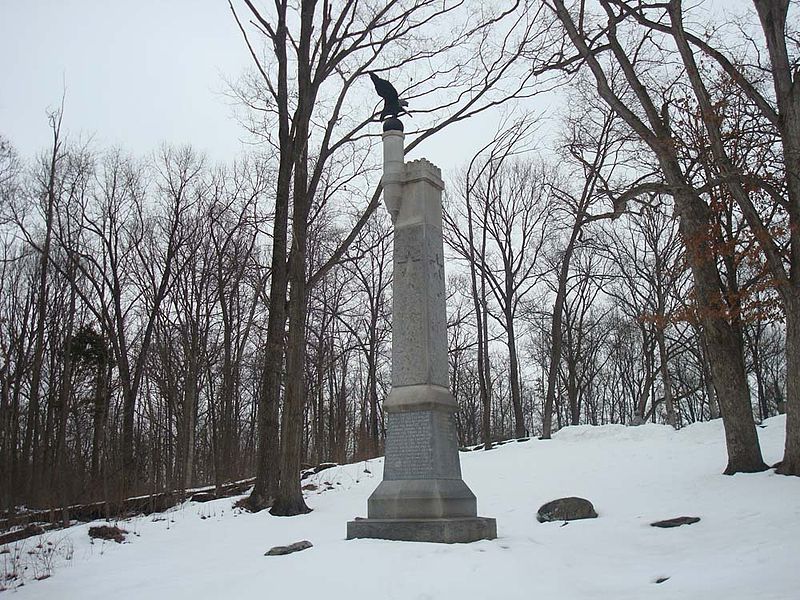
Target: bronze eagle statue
{"points": [[392, 104]]}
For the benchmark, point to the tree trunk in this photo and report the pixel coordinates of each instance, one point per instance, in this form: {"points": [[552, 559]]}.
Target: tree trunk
{"points": [[289, 500], [189, 419], [725, 352], [555, 336], [513, 367], [99, 421], [572, 393], [267, 469], [786, 81], [708, 381], [59, 477], [790, 465], [372, 383], [665, 378]]}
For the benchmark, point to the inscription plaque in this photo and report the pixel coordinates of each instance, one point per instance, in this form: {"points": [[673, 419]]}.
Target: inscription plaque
{"points": [[409, 447], [421, 445]]}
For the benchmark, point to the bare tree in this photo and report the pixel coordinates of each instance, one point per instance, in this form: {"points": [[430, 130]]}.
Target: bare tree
{"points": [[637, 106], [31, 453], [647, 256], [785, 116], [473, 206], [331, 49], [591, 145]]}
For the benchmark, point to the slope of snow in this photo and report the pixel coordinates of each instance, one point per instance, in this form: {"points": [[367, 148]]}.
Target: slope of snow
{"points": [[745, 546]]}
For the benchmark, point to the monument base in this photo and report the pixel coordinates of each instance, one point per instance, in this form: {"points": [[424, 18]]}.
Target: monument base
{"points": [[422, 499], [445, 531]]}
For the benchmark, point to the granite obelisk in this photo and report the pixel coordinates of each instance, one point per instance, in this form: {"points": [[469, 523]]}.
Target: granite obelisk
{"points": [[422, 496]]}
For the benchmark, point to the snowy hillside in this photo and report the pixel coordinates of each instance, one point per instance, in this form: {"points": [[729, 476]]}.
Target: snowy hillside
{"points": [[745, 546]]}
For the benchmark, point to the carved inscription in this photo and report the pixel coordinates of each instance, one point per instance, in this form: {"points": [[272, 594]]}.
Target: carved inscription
{"points": [[409, 448], [421, 445], [419, 329]]}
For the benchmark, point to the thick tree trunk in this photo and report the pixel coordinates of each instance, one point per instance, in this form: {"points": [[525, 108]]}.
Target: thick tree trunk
{"points": [[790, 465], [786, 80], [289, 499], [267, 469], [724, 346], [267, 473]]}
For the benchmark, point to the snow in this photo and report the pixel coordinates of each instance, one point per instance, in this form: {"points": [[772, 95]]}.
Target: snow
{"points": [[744, 547]]}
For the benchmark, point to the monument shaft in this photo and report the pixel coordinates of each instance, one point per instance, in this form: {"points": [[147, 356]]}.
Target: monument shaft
{"points": [[422, 496]]}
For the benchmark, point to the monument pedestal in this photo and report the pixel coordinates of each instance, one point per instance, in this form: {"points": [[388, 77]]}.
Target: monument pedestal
{"points": [[443, 531], [422, 496]]}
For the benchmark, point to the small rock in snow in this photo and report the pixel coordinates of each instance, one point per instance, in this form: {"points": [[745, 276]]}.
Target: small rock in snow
{"points": [[296, 547], [107, 532], [676, 522]]}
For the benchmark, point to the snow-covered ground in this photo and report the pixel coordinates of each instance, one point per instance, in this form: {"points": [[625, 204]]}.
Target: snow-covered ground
{"points": [[745, 547]]}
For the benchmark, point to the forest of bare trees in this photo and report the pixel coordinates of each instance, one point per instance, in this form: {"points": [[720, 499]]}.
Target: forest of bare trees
{"points": [[630, 256]]}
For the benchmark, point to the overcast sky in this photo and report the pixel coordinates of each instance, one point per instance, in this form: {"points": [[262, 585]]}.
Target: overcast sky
{"points": [[138, 73]]}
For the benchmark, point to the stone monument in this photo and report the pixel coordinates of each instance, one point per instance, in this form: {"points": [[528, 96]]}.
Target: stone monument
{"points": [[422, 496]]}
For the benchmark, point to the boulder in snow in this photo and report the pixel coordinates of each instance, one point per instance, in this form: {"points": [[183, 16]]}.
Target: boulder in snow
{"points": [[566, 509]]}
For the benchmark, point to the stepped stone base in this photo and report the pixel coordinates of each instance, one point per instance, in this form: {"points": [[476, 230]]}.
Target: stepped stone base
{"points": [[422, 499], [446, 531]]}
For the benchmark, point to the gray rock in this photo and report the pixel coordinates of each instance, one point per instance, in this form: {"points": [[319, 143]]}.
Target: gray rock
{"points": [[566, 509], [676, 522], [296, 547]]}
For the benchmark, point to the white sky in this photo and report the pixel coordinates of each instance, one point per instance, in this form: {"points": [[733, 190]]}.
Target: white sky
{"points": [[138, 73]]}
